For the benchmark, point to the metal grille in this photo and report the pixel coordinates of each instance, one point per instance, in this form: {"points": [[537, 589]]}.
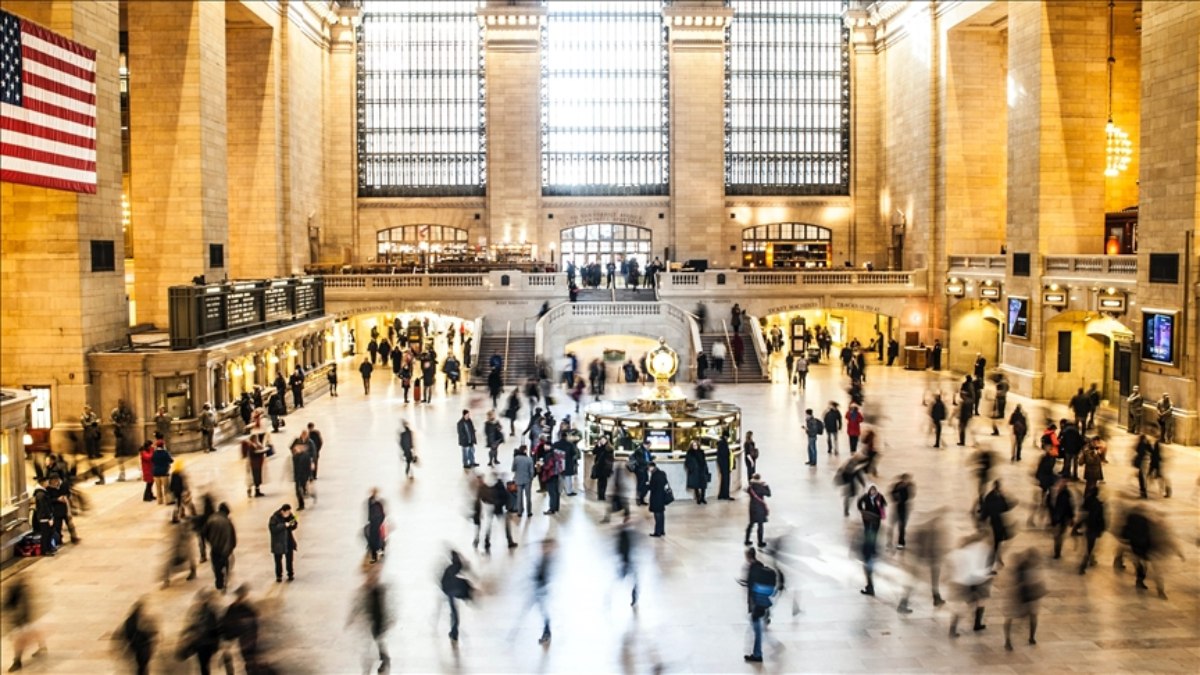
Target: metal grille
{"points": [[788, 99], [421, 127], [604, 98]]}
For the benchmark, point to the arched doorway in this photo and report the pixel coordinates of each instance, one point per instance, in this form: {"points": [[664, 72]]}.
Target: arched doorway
{"points": [[787, 245], [1079, 348], [975, 328], [605, 242]]}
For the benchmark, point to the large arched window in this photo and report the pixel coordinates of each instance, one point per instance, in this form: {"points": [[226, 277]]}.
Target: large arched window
{"points": [[604, 243], [405, 244], [786, 245], [787, 98]]}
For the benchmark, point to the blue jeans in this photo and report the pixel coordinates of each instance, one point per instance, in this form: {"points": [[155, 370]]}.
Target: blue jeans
{"points": [[756, 622], [468, 455], [812, 450]]}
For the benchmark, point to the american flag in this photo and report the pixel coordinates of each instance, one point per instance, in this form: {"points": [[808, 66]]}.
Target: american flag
{"points": [[47, 108]]}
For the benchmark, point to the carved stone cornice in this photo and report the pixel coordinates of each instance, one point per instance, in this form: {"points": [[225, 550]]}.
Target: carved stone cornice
{"points": [[785, 202], [697, 27], [661, 202]]}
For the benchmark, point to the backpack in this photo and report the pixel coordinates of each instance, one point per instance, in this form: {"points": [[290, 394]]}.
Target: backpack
{"points": [[819, 426], [763, 581]]}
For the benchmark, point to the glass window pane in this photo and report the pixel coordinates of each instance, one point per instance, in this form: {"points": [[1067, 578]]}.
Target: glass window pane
{"points": [[788, 98], [604, 98], [420, 99]]}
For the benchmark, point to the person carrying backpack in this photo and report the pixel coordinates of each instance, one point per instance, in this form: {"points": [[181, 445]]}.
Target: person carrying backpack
{"points": [[813, 427], [762, 585]]}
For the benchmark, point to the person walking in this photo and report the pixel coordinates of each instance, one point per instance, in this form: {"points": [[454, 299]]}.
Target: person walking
{"points": [[750, 454], [522, 470], [725, 462], [255, 454], [466, 439], [282, 526], [833, 424], [1070, 445], [455, 586], [331, 376], [22, 611], [296, 382], [375, 530], [992, 509], [406, 448], [542, 576], [762, 585], [1062, 513], [365, 369], [801, 370], [277, 409], [660, 494], [139, 632], [602, 467], [202, 632], [902, 492], [718, 356], [372, 607], [872, 508], [221, 536], [937, 415], [1026, 590], [146, 455], [812, 429], [493, 435], [160, 463], [240, 625], [698, 475], [1094, 523], [1020, 427], [758, 491], [966, 407], [854, 421]]}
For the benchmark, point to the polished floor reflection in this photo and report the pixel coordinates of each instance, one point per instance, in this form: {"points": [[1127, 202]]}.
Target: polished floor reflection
{"points": [[692, 613]]}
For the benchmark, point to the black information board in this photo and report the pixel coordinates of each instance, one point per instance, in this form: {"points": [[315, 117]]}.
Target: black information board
{"points": [[216, 312]]}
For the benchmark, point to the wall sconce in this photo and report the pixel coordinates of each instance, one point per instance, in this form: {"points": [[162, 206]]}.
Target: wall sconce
{"points": [[955, 287], [27, 439], [250, 368], [1054, 296], [292, 352], [990, 290], [1111, 301], [273, 359]]}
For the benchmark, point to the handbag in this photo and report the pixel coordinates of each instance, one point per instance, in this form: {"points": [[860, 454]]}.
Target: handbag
{"points": [[668, 494]]}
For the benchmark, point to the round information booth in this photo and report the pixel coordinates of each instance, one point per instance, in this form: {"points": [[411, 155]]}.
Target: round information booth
{"points": [[666, 422]]}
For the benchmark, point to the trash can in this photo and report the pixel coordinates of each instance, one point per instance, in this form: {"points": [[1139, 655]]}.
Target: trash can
{"points": [[916, 358]]}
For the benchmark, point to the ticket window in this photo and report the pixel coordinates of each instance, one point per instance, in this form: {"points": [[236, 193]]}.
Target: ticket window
{"points": [[174, 394]]}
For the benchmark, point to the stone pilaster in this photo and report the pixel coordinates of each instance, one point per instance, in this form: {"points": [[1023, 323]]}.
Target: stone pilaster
{"points": [[1057, 89], [699, 226], [867, 241], [337, 234], [253, 128], [178, 146], [512, 70], [55, 308], [1169, 218]]}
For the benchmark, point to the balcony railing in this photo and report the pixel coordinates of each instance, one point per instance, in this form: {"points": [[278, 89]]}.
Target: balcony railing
{"points": [[817, 280], [978, 263], [1122, 267]]}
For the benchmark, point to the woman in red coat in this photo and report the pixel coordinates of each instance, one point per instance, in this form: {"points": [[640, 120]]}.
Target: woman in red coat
{"points": [[145, 454]]}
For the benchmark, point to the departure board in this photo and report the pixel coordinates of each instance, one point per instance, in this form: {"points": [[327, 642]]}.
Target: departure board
{"points": [[215, 312]]}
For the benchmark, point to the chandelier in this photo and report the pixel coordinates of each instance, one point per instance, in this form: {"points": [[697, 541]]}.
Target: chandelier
{"points": [[1118, 149]]}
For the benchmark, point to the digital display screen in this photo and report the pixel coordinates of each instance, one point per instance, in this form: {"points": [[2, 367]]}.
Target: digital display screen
{"points": [[1018, 317], [1158, 337], [658, 441]]}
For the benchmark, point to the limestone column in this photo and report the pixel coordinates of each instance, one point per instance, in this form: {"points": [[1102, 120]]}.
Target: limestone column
{"points": [[512, 70], [254, 180], [1169, 217], [338, 234], [1056, 106], [177, 145], [699, 225], [867, 240], [55, 308]]}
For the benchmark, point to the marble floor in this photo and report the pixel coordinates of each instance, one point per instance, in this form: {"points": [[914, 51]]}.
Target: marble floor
{"points": [[692, 614]]}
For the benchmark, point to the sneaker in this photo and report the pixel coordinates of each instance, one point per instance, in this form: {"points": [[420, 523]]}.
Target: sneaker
{"points": [[750, 658]]}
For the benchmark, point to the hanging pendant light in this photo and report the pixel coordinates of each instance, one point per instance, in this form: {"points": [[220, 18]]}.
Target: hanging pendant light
{"points": [[1118, 147]]}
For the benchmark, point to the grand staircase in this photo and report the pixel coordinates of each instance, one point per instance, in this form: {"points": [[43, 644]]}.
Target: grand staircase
{"points": [[518, 366], [749, 371]]}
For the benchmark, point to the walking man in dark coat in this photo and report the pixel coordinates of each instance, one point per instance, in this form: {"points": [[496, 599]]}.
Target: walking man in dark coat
{"points": [[466, 439], [222, 540], [658, 499], [283, 543], [724, 468]]}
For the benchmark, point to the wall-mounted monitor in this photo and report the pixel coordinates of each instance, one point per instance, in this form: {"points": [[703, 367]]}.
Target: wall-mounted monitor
{"points": [[1158, 336], [1018, 317]]}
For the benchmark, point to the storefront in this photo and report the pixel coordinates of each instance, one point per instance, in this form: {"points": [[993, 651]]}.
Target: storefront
{"points": [[787, 245], [422, 245], [14, 493]]}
